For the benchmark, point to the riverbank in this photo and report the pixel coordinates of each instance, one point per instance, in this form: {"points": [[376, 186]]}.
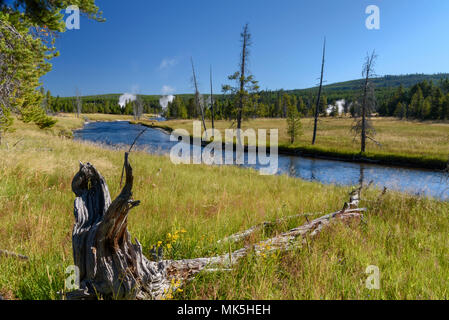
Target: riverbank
{"points": [[406, 144], [405, 236], [421, 145]]}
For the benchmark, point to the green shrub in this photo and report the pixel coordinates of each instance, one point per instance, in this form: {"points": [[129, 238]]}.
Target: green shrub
{"points": [[37, 115]]}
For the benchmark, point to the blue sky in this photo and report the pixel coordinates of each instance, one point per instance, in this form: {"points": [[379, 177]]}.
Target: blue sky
{"points": [[145, 46]]}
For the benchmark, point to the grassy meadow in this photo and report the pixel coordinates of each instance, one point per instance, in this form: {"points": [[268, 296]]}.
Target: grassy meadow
{"points": [[420, 144], [405, 236]]}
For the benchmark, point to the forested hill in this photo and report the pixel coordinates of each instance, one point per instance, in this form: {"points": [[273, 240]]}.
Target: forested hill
{"points": [[387, 81]]}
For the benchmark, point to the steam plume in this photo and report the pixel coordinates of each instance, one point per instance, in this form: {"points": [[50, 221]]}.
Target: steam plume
{"points": [[125, 98], [165, 100]]}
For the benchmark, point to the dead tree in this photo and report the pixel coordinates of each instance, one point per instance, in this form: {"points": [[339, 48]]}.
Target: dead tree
{"points": [[138, 108], [111, 266], [246, 42], [363, 126], [317, 107], [198, 98], [212, 102], [79, 104]]}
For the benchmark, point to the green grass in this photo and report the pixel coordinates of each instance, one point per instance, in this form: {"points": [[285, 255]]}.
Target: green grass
{"points": [[405, 236]]}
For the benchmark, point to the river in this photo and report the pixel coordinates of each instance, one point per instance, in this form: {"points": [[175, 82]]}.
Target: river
{"points": [[413, 181]]}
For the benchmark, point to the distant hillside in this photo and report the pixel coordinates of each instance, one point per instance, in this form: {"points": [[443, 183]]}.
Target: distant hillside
{"points": [[388, 81], [385, 82], [384, 86]]}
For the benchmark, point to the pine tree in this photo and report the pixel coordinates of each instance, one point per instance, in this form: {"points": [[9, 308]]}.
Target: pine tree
{"points": [[246, 85], [427, 108], [417, 104], [191, 110], [27, 37], [323, 106], [302, 109], [445, 108], [437, 101], [294, 127], [400, 111]]}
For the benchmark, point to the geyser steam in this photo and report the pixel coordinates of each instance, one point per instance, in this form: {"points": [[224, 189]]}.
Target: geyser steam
{"points": [[165, 100], [125, 98]]}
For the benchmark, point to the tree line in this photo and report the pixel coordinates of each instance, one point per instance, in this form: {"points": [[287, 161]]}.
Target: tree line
{"points": [[423, 101], [107, 105]]}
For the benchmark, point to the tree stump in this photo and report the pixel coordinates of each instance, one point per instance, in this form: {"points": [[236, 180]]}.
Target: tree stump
{"points": [[110, 265]]}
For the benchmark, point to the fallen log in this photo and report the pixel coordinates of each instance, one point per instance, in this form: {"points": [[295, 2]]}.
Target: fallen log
{"points": [[112, 267], [185, 269], [246, 233]]}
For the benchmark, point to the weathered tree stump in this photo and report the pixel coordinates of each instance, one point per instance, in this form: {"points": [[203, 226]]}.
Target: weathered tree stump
{"points": [[112, 267]]}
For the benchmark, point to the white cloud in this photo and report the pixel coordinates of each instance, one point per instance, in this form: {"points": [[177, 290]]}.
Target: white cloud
{"points": [[167, 63]]}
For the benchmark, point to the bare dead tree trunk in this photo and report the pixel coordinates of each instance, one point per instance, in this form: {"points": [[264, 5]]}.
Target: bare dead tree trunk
{"points": [[364, 103], [134, 110], [363, 134], [139, 103], [245, 42], [199, 103], [363, 126], [212, 101], [78, 103], [317, 108], [112, 267]]}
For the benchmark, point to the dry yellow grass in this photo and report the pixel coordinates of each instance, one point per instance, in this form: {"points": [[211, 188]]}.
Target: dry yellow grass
{"points": [[396, 137]]}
